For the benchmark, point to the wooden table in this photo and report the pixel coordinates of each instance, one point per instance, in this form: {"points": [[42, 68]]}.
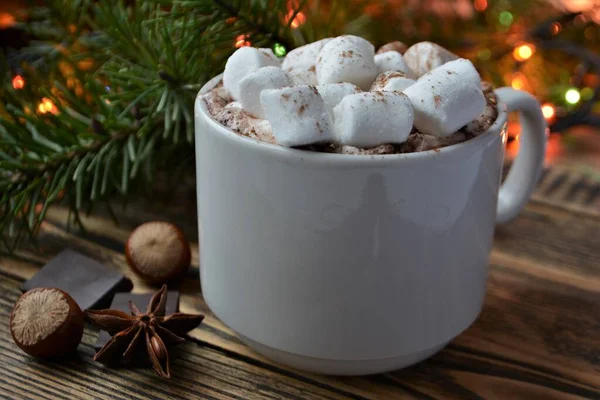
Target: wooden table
{"points": [[538, 335]]}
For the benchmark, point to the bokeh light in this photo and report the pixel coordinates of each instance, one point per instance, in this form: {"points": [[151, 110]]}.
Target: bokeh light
{"points": [[506, 18], [484, 54], [586, 93], [298, 20], [279, 50], [518, 81], [18, 82], [480, 5], [572, 96], [242, 41], [549, 111], [47, 106], [6, 20], [86, 64], [523, 52]]}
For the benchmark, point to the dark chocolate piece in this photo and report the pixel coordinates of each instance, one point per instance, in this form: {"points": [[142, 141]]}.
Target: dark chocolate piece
{"points": [[89, 283], [121, 302]]}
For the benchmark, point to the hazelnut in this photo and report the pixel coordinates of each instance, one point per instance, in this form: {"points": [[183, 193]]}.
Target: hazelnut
{"points": [[157, 251], [46, 322]]}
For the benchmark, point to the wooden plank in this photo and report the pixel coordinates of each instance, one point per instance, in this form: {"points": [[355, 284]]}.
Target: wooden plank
{"points": [[552, 236], [537, 334], [199, 371], [534, 335], [570, 188]]}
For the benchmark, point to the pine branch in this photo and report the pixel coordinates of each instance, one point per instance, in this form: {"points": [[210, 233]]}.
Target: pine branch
{"points": [[122, 79], [252, 25]]}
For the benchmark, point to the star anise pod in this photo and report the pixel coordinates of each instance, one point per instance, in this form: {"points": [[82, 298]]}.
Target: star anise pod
{"points": [[152, 327]]}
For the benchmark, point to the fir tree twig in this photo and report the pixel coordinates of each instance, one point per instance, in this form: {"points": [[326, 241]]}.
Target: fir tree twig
{"points": [[122, 78]]}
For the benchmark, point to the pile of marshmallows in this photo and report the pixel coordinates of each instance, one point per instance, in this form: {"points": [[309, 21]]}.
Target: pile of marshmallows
{"points": [[338, 90]]}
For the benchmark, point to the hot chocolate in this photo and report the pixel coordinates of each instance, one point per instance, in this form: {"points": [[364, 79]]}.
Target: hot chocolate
{"points": [[338, 96]]}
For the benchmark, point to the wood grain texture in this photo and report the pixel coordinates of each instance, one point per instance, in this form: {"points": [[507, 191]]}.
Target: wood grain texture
{"points": [[538, 335]]}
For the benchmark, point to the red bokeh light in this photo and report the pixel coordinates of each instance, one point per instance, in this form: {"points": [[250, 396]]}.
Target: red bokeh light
{"points": [[18, 82], [480, 5]]}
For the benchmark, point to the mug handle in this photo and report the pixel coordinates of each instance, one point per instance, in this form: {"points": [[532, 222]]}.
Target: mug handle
{"points": [[525, 171]]}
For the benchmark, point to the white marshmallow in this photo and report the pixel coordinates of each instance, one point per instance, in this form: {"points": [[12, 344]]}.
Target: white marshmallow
{"points": [[462, 69], [347, 59], [424, 56], [304, 57], [244, 61], [303, 77], [333, 93], [398, 84], [445, 101], [300, 63], [370, 119], [391, 61], [297, 115], [391, 81], [254, 83]]}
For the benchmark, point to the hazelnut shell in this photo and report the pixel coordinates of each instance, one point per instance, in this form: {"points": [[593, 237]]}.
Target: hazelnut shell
{"points": [[63, 340], [174, 270]]}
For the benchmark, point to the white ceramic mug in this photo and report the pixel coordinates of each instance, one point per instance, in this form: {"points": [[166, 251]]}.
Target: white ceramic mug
{"points": [[347, 264]]}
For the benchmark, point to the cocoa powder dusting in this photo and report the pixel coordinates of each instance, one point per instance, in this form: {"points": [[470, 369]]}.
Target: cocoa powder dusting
{"points": [[236, 119]]}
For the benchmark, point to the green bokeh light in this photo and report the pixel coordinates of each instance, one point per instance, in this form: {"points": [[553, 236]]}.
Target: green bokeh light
{"points": [[484, 54], [279, 50], [506, 18], [587, 93]]}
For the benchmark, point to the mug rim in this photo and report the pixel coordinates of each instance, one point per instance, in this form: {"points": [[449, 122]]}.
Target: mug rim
{"points": [[332, 159]]}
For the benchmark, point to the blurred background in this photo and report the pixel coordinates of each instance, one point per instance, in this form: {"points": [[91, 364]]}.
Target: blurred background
{"points": [[547, 47]]}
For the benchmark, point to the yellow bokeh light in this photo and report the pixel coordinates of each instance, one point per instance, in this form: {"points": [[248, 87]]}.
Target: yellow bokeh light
{"points": [[548, 110], [47, 106], [518, 81], [523, 52]]}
